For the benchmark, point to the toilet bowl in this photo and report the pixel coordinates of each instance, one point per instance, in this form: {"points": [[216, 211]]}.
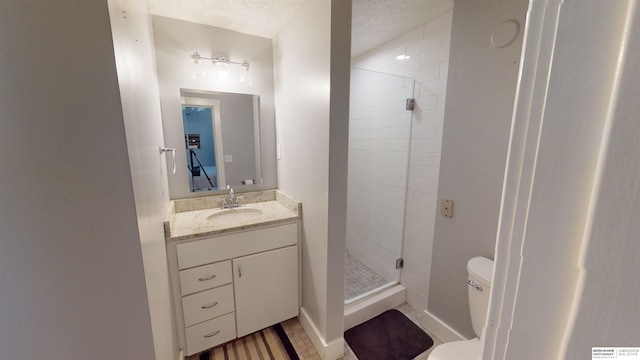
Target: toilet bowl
{"points": [[480, 271], [458, 350]]}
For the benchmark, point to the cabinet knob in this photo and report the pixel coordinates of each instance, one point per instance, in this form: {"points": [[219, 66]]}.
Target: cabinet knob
{"points": [[239, 272]]}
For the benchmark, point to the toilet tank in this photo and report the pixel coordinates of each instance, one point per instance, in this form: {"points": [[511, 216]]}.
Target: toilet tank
{"points": [[480, 270]]}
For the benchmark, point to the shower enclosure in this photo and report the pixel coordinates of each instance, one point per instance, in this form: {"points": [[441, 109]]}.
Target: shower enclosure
{"points": [[379, 145]]}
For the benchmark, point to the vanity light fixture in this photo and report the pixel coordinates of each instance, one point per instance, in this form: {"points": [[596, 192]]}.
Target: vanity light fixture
{"points": [[221, 65]]}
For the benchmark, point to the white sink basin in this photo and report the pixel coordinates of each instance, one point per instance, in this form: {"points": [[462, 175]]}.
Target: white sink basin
{"points": [[235, 215]]}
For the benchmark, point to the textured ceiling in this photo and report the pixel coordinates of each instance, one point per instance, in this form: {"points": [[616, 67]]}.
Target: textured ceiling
{"points": [[255, 17], [374, 21]]}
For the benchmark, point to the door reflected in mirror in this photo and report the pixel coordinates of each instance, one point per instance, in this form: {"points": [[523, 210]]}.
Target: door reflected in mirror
{"points": [[199, 142]]}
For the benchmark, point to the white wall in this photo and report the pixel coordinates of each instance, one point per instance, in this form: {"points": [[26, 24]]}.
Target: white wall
{"points": [[480, 94], [302, 108], [428, 47], [610, 283], [71, 273], [567, 247], [311, 67], [175, 40], [338, 162], [133, 45]]}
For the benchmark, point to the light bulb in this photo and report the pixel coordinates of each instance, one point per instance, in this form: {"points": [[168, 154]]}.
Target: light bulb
{"points": [[198, 68], [195, 70], [244, 73], [202, 70], [223, 70], [222, 67]]}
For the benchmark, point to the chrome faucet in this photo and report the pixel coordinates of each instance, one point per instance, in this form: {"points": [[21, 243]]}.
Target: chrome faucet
{"points": [[232, 201]]}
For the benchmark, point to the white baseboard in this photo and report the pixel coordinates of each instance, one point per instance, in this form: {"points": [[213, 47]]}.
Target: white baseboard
{"points": [[334, 350], [331, 351], [440, 329], [373, 306]]}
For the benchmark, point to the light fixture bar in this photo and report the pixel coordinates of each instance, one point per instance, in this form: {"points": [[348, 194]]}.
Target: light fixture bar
{"points": [[219, 59]]}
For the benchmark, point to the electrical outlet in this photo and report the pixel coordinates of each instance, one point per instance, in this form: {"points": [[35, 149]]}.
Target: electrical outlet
{"points": [[446, 208]]}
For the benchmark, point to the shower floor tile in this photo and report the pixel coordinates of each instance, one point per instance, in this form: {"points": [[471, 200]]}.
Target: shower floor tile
{"points": [[360, 279]]}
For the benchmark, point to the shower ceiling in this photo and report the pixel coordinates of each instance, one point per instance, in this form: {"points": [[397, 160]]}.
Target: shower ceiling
{"points": [[374, 21]]}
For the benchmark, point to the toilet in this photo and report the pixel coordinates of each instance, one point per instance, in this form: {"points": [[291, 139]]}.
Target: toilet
{"points": [[480, 270]]}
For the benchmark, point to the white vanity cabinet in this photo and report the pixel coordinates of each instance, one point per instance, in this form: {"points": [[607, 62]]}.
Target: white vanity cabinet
{"points": [[233, 284]]}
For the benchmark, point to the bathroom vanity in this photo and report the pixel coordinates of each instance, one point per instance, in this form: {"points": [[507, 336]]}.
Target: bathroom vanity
{"points": [[233, 271]]}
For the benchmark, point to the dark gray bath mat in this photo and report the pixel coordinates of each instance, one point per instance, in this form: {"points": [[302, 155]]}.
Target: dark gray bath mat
{"points": [[390, 335]]}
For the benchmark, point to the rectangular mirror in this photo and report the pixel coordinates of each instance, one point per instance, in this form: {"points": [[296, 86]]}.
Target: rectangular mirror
{"points": [[221, 138], [174, 42]]}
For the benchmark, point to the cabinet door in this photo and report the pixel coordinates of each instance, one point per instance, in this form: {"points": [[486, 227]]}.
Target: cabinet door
{"points": [[266, 288]]}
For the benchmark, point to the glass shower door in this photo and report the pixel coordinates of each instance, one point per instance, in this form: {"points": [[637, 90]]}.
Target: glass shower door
{"points": [[379, 145]]}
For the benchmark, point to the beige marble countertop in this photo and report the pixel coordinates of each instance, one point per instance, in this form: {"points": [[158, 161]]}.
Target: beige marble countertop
{"points": [[189, 224]]}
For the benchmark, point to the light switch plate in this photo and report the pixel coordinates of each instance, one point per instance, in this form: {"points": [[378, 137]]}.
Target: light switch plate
{"points": [[228, 158], [446, 208]]}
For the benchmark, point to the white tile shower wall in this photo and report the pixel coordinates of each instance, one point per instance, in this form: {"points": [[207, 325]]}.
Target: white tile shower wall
{"points": [[428, 49]]}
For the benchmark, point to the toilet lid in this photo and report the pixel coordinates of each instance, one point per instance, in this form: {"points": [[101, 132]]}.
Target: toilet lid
{"points": [[457, 350]]}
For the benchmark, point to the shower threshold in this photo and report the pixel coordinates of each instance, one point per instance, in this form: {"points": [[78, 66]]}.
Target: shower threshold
{"points": [[371, 305], [369, 293]]}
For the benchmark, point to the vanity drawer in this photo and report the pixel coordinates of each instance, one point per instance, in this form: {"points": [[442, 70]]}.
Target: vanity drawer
{"points": [[210, 333], [225, 247], [207, 304], [205, 277]]}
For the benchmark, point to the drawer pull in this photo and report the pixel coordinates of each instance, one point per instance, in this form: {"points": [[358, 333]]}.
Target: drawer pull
{"points": [[212, 334], [207, 277], [209, 306]]}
